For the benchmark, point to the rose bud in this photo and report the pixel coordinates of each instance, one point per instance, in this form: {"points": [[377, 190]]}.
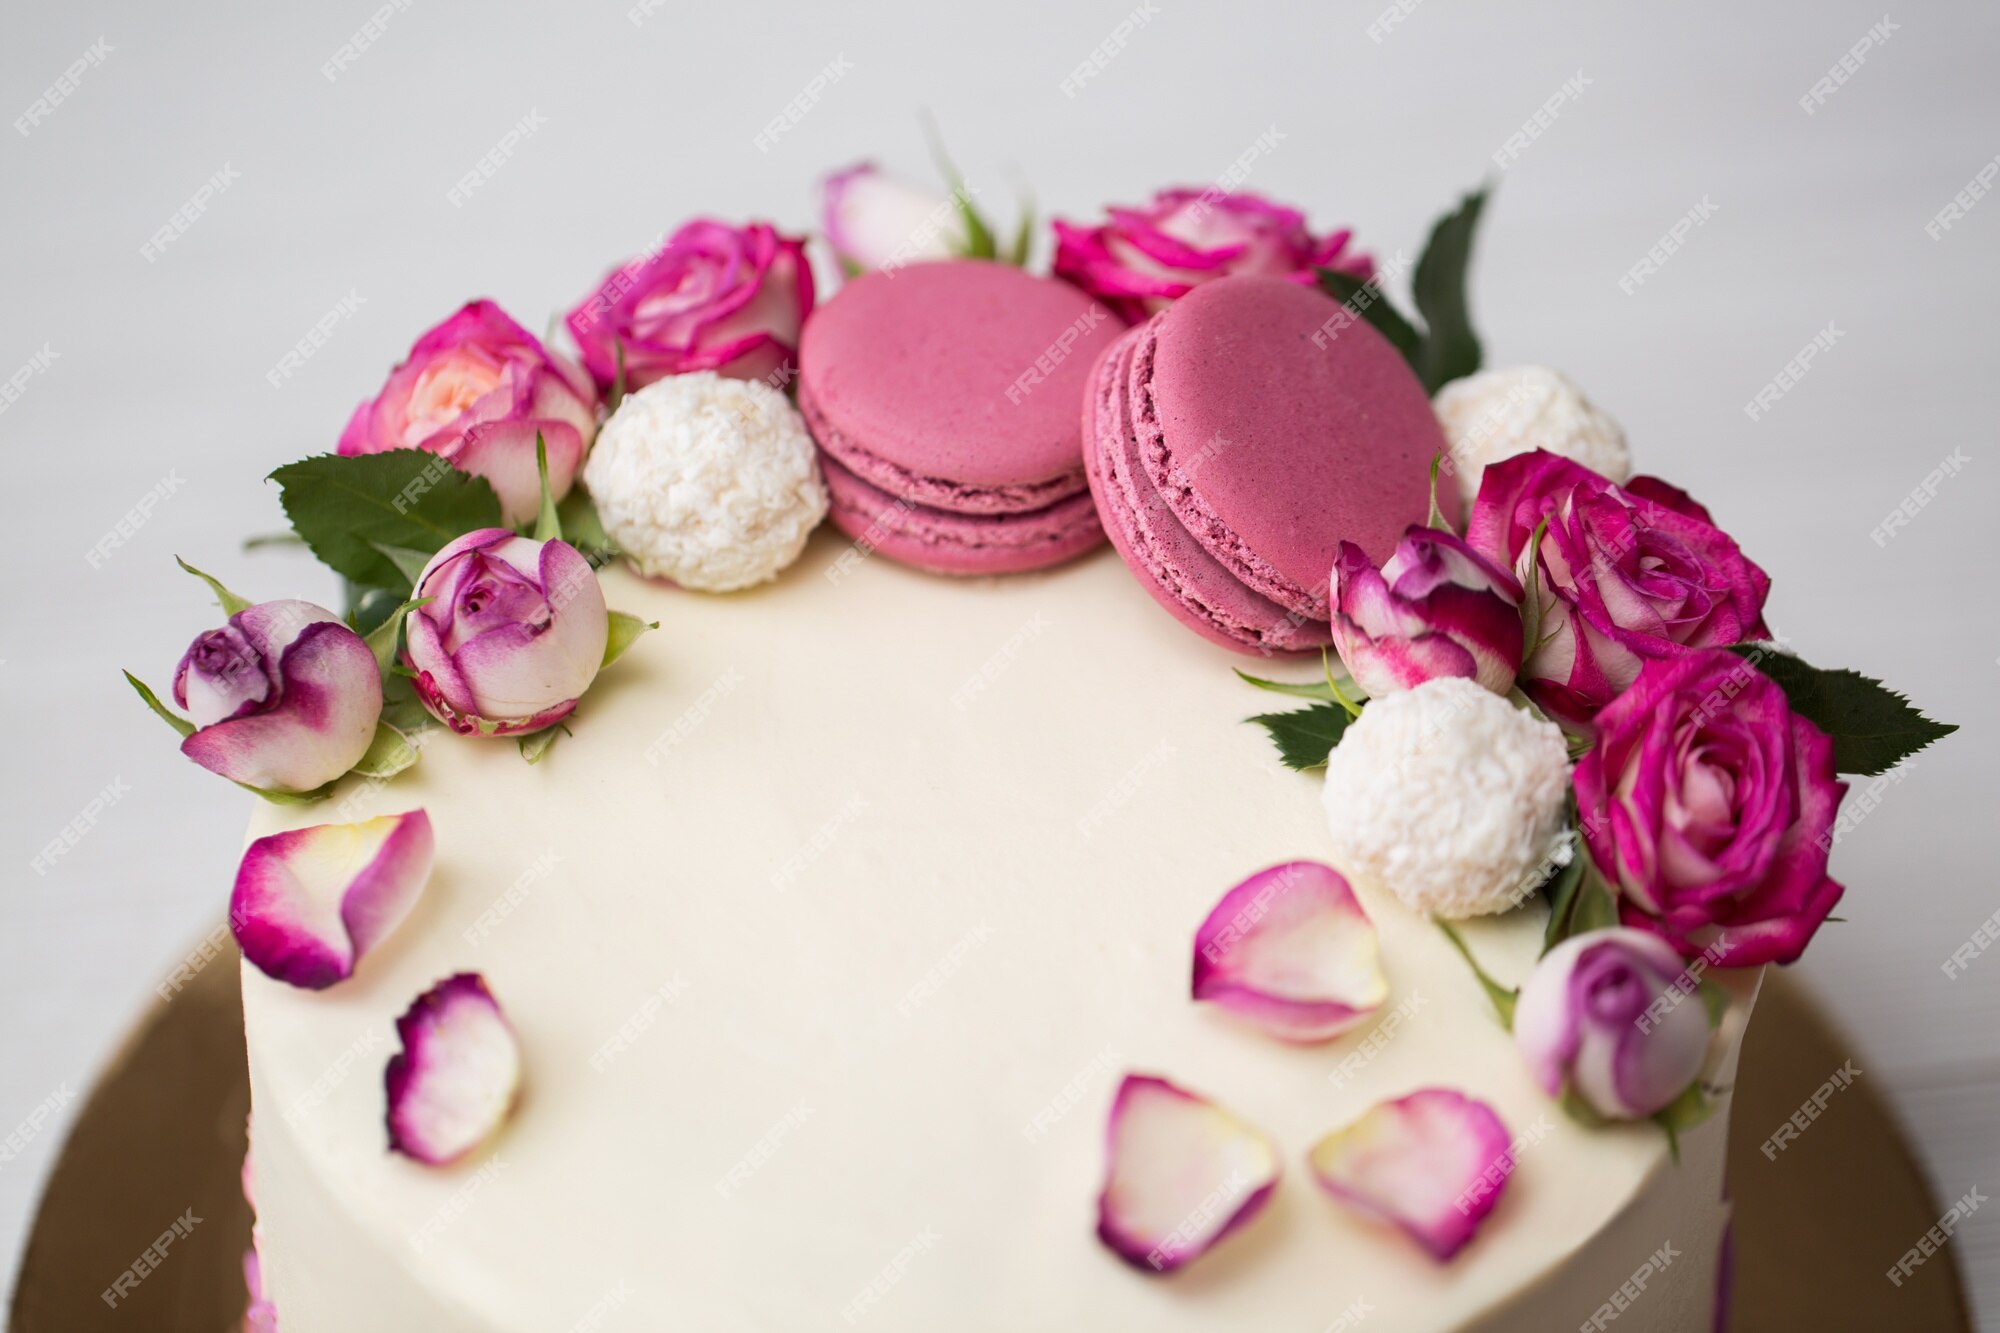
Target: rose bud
{"points": [[872, 220], [1143, 258], [476, 391], [714, 297], [1621, 575], [1597, 1016], [283, 698], [513, 635], [1438, 608], [1708, 805]]}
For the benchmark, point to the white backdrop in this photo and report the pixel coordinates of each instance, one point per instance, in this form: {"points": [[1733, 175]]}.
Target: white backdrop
{"points": [[144, 374]]}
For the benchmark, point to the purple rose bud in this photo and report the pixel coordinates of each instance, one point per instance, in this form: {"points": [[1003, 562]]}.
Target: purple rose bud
{"points": [[1610, 1014], [514, 633], [1437, 609], [284, 697]]}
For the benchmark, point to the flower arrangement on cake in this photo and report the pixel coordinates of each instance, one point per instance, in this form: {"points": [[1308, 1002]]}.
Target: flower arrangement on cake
{"points": [[1544, 684]]}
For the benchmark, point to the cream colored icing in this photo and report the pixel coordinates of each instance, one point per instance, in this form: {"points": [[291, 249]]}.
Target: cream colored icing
{"points": [[828, 935]]}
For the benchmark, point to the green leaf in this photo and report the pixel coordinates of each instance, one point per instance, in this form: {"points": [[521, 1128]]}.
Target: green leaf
{"points": [[229, 601], [172, 719], [536, 743], [617, 394], [409, 563], [1365, 299], [1596, 906], [1579, 1110], [1503, 999], [262, 540], [625, 631], [1024, 236], [548, 527], [401, 708], [383, 638], [346, 507], [1306, 737], [1873, 727], [388, 754], [582, 527], [1435, 516], [1682, 1113], [1312, 689], [1714, 999], [1562, 893], [979, 242], [312, 797], [1450, 348]]}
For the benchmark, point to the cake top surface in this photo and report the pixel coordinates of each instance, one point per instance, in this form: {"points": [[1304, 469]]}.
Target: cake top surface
{"points": [[828, 938]]}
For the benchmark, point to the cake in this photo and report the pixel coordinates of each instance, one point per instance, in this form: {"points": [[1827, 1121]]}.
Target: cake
{"points": [[668, 910]]}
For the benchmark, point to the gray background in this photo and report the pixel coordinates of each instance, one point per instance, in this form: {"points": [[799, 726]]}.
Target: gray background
{"points": [[341, 190]]}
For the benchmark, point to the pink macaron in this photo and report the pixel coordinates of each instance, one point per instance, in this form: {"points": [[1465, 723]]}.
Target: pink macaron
{"points": [[1236, 438], [945, 399]]}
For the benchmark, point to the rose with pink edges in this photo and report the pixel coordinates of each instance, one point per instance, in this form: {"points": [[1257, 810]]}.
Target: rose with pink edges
{"points": [[1590, 1019], [1709, 806], [513, 633], [714, 297], [1433, 1163], [1180, 1174], [1618, 576], [872, 220], [458, 1075], [1437, 608], [477, 391], [1290, 950], [1141, 259], [308, 903], [283, 698]]}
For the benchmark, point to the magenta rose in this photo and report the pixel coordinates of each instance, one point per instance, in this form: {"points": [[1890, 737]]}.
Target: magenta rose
{"points": [[714, 297], [1438, 608], [1623, 575], [284, 697], [1706, 803], [476, 391], [1143, 258], [514, 633]]}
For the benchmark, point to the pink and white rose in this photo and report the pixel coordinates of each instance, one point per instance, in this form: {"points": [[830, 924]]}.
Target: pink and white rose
{"points": [[1437, 608], [284, 697], [1141, 259], [1707, 804], [713, 297], [476, 391], [1623, 575], [873, 220], [1589, 1019], [514, 633]]}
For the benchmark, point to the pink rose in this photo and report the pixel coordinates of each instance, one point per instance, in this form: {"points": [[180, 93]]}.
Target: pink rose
{"points": [[872, 220], [1623, 575], [1438, 608], [1708, 804], [1595, 1016], [476, 391], [514, 634], [1144, 258], [715, 297], [284, 697]]}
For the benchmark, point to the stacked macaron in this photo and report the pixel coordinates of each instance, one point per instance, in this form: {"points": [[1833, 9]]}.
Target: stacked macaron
{"points": [[944, 397], [1236, 438]]}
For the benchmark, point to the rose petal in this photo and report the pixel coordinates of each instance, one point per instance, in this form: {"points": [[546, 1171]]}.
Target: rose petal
{"points": [[457, 1076], [309, 903], [1291, 950], [1181, 1173], [1433, 1163]]}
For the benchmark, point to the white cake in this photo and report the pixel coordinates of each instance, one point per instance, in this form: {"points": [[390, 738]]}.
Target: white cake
{"points": [[828, 936]]}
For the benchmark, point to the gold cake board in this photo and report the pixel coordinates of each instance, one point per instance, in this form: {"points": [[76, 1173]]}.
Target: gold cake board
{"points": [[1818, 1224]]}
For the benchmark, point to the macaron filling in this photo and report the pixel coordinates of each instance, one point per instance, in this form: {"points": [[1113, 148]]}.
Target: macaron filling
{"points": [[945, 542]]}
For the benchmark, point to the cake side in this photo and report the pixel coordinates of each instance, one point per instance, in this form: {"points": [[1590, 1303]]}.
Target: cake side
{"points": [[854, 1022]]}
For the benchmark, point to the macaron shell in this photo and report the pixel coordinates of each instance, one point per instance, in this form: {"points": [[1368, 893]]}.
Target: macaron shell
{"points": [[1275, 427], [943, 542], [955, 384], [1171, 565]]}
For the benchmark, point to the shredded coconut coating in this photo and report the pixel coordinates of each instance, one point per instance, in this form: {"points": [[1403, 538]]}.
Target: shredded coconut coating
{"points": [[1449, 797], [707, 481], [1499, 413]]}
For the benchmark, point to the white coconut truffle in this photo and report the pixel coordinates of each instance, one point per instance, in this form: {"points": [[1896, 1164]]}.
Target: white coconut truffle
{"points": [[707, 481], [1449, 797], [1499, 413]]}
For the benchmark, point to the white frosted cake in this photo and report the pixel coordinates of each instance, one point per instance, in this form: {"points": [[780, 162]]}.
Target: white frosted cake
{"points": [[828, 939]]}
